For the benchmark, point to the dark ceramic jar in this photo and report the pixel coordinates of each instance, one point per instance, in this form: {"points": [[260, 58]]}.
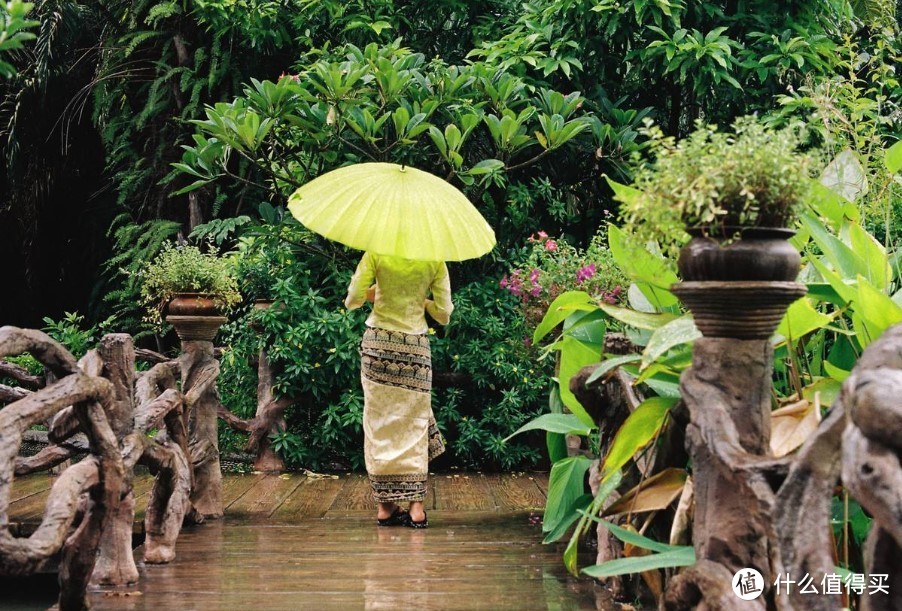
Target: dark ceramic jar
{"points": [[193, 304], [739, 254]]}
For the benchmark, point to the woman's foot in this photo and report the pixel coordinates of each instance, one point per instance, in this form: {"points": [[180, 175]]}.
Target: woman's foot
{"points": [[417, 515], [416, 511], [385, 510], [389, 514]]}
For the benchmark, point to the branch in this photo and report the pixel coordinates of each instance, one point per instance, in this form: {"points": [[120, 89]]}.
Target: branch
{"points": [[20, 375]]}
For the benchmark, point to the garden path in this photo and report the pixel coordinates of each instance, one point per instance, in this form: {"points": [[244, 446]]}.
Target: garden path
{"points": [[294, 541]]}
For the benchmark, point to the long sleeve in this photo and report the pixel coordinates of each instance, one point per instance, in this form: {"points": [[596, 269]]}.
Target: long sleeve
{"points": [[362, 280], [440, 306]]}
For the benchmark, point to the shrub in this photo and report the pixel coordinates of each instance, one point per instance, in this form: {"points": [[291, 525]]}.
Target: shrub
{"points": [[186, 269], [754, 177], [553, 266]]}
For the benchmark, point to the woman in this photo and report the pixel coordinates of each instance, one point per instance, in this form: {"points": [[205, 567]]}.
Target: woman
{"points": [[400, 434]]}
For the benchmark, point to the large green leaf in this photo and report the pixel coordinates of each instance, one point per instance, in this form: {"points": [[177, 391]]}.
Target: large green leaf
{"points": [[831, 205], [556, 442], [587, 326], [567, 424], [677, 332], [634, 538], [872, 255], [559, 310], [571, 515], [652, 273], [844, 260], [575, 355], [640, 320], [565, 485], [684, 556], [634, 434], [608, 484], [894, 158], [612, 364], [846, 176], [801, 319], [876, 310], [845, 292]]}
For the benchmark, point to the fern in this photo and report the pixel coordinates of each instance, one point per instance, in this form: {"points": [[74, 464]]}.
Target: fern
{"points": [[134, 245]]}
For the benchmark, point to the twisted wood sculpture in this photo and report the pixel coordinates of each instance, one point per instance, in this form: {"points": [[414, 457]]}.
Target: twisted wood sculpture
{"points": [[91, 407], [85, 494], [774, 514]]}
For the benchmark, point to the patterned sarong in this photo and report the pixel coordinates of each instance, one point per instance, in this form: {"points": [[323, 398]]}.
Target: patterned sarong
{"points": [[400, 434]]}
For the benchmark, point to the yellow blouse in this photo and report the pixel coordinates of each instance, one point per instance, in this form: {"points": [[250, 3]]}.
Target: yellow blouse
{"points": [[402, 286]]}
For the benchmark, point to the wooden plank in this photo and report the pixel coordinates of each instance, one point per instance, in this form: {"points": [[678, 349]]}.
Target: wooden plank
{"points": [[490, 560], [513, 491], [541, 479], [141, 486], [28, 485], [29, 509], [311, 499], [235, 486], [356, 494], [266, 495], [463, 492]]}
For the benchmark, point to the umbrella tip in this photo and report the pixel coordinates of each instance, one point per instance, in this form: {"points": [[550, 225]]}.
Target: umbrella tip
{"points": [[403, 168]]}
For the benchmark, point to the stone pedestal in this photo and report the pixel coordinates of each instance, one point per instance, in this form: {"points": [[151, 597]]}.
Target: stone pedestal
{"points": [[199, 370]]}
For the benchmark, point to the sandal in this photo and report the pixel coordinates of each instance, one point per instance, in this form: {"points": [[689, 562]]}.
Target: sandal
{"points": [[424, 523], [399, 517]]}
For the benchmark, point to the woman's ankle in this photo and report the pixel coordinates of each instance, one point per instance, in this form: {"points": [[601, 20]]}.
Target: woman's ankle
{"points": [[417, 511]]}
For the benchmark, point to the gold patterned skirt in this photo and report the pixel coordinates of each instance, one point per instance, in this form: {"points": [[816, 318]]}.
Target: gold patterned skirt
{"points": [[400, 434]]}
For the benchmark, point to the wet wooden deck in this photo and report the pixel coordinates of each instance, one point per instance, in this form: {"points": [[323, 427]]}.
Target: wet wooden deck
{"points": [[298, 542]]}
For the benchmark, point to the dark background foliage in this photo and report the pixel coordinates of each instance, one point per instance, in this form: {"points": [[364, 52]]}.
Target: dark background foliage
{"points": [[107, 98]]}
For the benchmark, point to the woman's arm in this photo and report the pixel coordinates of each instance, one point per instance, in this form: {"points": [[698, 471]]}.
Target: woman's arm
{"points": [[440, 306], [361, 282]]}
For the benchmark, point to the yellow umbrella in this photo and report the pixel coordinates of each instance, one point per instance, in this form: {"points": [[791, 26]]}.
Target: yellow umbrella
{"points": [[394, 210]]}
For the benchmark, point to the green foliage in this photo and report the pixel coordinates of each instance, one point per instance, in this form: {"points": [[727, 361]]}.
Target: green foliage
{"points": [[475, 124], [14, 31], [856, 116], [135, 244], [186, 269], [716, 60], [72, 332], [755, 177], [666, 556], [487, 342]]}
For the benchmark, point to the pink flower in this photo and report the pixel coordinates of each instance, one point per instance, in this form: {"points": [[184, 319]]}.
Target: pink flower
{"points": [[550, 245], [543, 235], [534, 276], [584, 273], [535, 290], [504, 282]]}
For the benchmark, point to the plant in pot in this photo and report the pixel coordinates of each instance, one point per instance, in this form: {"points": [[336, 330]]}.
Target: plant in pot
{"points": [[726, 202], [186, 281]]}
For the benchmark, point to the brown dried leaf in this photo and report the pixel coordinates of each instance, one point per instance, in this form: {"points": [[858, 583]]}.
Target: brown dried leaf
{"points": [[652, 579], [792, 425], [655, 493]]}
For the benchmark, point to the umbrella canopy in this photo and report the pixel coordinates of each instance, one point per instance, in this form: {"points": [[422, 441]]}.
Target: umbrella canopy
{"points": [[394, 210]]}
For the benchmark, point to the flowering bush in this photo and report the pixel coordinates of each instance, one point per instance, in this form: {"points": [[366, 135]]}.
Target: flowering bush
{"points": [[553, 266]]}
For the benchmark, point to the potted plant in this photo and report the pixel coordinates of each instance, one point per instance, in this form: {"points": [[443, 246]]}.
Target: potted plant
{"points": [[736, 194], [726, 203], [188, 282]]}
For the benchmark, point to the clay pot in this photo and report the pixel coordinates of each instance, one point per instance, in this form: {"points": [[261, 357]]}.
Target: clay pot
{"points": [[757, 255], [193, 304], [195, 316]]}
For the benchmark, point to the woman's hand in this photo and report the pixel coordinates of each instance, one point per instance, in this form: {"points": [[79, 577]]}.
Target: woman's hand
{"points": [[371, 294]]}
